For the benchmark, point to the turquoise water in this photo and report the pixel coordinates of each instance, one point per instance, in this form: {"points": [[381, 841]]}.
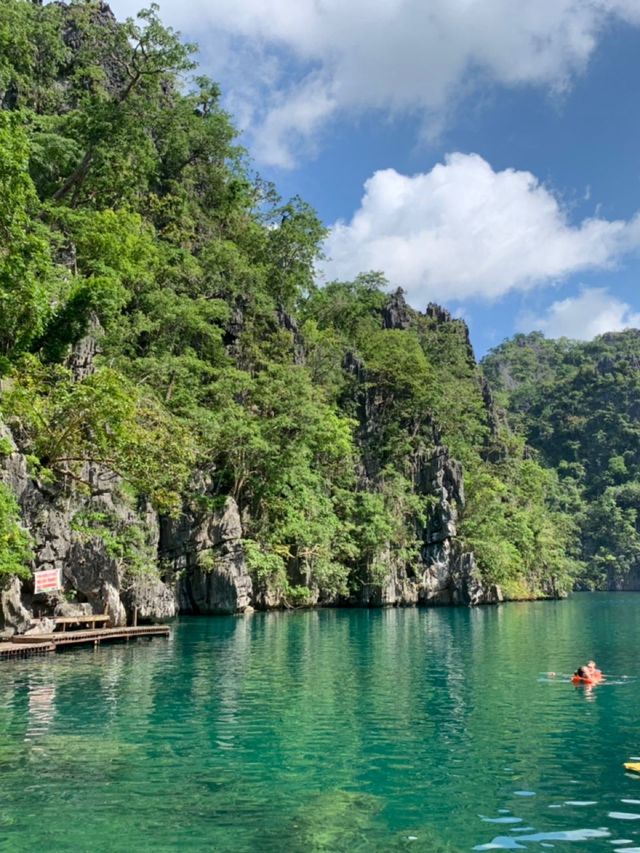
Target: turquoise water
{"points": [[425, 730]]}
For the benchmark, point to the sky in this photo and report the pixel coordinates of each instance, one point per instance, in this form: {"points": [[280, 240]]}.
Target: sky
{"points": [[482, 154]]}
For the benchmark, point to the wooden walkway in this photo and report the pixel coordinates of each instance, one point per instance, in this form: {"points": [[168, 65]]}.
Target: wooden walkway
{"points": [[22, 650], [94, 636]]}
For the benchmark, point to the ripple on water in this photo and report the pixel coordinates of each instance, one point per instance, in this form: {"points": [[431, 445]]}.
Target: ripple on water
{"points": [[500, 819], [340, 731], [509, 843]]}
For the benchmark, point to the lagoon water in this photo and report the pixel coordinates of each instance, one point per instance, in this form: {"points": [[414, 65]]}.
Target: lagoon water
{"points": [[423, 730]]}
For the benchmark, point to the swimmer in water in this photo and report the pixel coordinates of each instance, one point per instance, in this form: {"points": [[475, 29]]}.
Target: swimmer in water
{"points": [[594, 672], [583, 673]]}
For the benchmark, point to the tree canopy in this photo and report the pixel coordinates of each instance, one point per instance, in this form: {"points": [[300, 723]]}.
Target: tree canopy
{"points": [[132, 225], [578, 405]]}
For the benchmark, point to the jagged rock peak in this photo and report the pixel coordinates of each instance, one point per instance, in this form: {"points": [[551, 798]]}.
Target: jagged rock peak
{"points": [[493, 421], [396, 314], [442, 316], [438, 313]]}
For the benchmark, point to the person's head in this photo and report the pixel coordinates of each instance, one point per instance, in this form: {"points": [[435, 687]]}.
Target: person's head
{"points": [[591, 664], [583, 672]]}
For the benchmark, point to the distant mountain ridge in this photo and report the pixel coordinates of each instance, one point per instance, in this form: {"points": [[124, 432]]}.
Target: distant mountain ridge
{"points": [[578, 406]]}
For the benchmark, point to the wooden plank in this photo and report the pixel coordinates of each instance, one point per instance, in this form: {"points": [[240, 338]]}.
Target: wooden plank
{"points": [[21, 650], [89, 619], [27, 646], [94, 635], [77, 620]]}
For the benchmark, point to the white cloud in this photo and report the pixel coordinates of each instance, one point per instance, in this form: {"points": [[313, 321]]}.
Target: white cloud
{"points": [[395, 55], [295, 120], [463, 230], [594, 312]]}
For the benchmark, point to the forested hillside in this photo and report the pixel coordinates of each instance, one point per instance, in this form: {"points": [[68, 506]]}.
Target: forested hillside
{"points": [[578, 404], [165, 352]]}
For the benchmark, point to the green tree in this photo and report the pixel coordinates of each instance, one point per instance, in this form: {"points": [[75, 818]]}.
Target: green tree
{"points": [[104, 421], [29, 281], [15, 542]]}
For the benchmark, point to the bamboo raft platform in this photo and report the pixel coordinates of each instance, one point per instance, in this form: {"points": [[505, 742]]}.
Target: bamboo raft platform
{"points": [[92, 636]]}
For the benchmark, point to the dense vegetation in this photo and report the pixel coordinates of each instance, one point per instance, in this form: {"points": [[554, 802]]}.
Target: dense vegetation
{"points": [[129, 214], [578, 404]]}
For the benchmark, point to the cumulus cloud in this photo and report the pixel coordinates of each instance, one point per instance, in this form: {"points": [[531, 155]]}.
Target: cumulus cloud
{"points": [[394, 55], [463, 230], [593, 312], [292, 122]]}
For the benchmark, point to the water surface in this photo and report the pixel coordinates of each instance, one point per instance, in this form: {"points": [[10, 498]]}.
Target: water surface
{"points": [[428, 730]]}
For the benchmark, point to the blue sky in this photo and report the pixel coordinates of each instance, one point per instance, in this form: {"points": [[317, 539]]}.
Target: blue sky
{"points": [[484, 154]]}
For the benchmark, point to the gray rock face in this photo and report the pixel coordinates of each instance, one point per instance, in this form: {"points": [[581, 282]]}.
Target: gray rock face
{"points": [[493, 421], [441, 477], [450, 575], [71, 609], [95, 575], [396, 590], [14, 616], [42, 626], [149, 599], [396, 314], [82, 357], [266, 596], [438, 313], [445, 574], [207, 555], [287, 322], [441, 316]]}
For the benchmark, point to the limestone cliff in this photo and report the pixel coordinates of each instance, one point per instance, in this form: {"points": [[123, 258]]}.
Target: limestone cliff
{"points": [[204, 548], [445, 572], [120, 559], [118, 556], [75, 531], [451, 575]]}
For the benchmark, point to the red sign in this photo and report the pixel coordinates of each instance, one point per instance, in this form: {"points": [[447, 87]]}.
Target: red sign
{"points": [[47, 581]]}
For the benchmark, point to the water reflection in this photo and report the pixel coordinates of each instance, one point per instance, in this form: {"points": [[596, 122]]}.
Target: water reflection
{"points": [[41, 707], [335, 730]]}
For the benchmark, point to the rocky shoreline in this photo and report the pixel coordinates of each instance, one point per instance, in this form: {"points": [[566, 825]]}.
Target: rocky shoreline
{"points": [[197, 563]]}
